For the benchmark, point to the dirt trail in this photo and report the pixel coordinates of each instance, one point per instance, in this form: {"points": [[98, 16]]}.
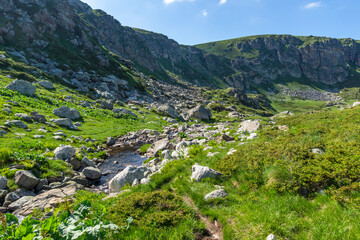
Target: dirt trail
{"points": [[213, 229]]}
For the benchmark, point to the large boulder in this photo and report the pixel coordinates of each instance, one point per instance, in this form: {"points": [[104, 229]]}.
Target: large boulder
{"points": [[66, 112], [200, 112], [221, 193], [249, 126], [201, 172], [128, 175], [16, 123], [22, 87], [26, 179], [64, 152], [92, 173], [47, 84], [64, 122], [168, 111], [19, 203]]}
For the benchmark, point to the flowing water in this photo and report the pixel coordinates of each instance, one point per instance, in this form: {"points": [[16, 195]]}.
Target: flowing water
{"points": [[116, 163]]}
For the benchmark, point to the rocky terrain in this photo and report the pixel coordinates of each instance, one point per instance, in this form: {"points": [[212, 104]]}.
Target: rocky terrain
{"points": [[169, 140]]}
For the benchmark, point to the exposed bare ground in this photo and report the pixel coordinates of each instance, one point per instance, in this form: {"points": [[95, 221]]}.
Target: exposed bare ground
{"points": [[213, 228]]}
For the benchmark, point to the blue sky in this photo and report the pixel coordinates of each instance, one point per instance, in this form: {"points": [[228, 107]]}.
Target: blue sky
{"points": [[199, 21]]}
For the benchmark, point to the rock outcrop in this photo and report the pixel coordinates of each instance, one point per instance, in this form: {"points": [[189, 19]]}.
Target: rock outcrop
{"points": [[23, 87]]}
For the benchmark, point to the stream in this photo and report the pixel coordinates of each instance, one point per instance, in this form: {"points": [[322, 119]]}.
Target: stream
{"points": [[115, 164]]}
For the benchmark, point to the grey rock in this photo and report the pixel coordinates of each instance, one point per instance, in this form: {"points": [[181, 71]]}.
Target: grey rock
{"points": [[161, 145], [201, 172], [36, 117], [145, 181], [123, 111], [110, 141], [47, 84], [107, 105], [19, 203], [64, 152], [64, 122], [41, 184], [200, 112], [16, 123], [249, 126], [81, 179], [168, 111], [166, 154], [19, 193], [3, 194], [38, 136], [26, 179], [128, 175], [85, 162], [92, 173], [8, 110], [23, 87], [220, 193], [3, 182], [76, 164], [66, 112]]}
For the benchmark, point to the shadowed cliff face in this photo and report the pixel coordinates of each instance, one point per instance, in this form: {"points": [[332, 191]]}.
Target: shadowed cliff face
{"points": [[268, 58], [72, 33]]}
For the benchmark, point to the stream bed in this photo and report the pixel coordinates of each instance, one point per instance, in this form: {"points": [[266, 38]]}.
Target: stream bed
{"points": [[115, 164]]}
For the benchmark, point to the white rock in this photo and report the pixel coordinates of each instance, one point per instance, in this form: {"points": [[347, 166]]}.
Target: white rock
{"points": [[64, 152], [201, 172], [221, 193], [128, 175]]}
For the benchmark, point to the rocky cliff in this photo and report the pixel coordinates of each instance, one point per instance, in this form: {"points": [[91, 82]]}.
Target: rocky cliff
{"points": [[70, 40], [71, 29], [260, 59]]}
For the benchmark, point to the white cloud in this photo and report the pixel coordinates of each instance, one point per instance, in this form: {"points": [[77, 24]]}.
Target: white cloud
{"points": [[204, 13], [167, 2], [313, 5], [222, 2]]}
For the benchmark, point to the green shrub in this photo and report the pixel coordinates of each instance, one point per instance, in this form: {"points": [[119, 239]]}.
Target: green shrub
{"points": [[150, 211], [5, 156], [144, 148]]}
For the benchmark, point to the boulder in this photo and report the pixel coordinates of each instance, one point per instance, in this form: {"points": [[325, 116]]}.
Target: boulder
{"points": [[166, 154], [220, 193], [249, 126], [24, 117], [128, 175], [19, 193], [64, 152], [109, 105], [41, 184], [110, 141], [36, 117], [92, 173], [85, 162], [23, 87], [201, 172], [161, 145], [168, 111], [81, 179], [3, 182], [47, 84], [3, 194], [66, 112], [200, 112], [48, 199], [16, 123], [225, 138], [76, 164], [19, 203], [26, 179], [64, 122]]}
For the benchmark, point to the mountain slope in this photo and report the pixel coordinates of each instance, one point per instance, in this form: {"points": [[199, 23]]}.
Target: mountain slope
{"points": [[267, 58]]}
